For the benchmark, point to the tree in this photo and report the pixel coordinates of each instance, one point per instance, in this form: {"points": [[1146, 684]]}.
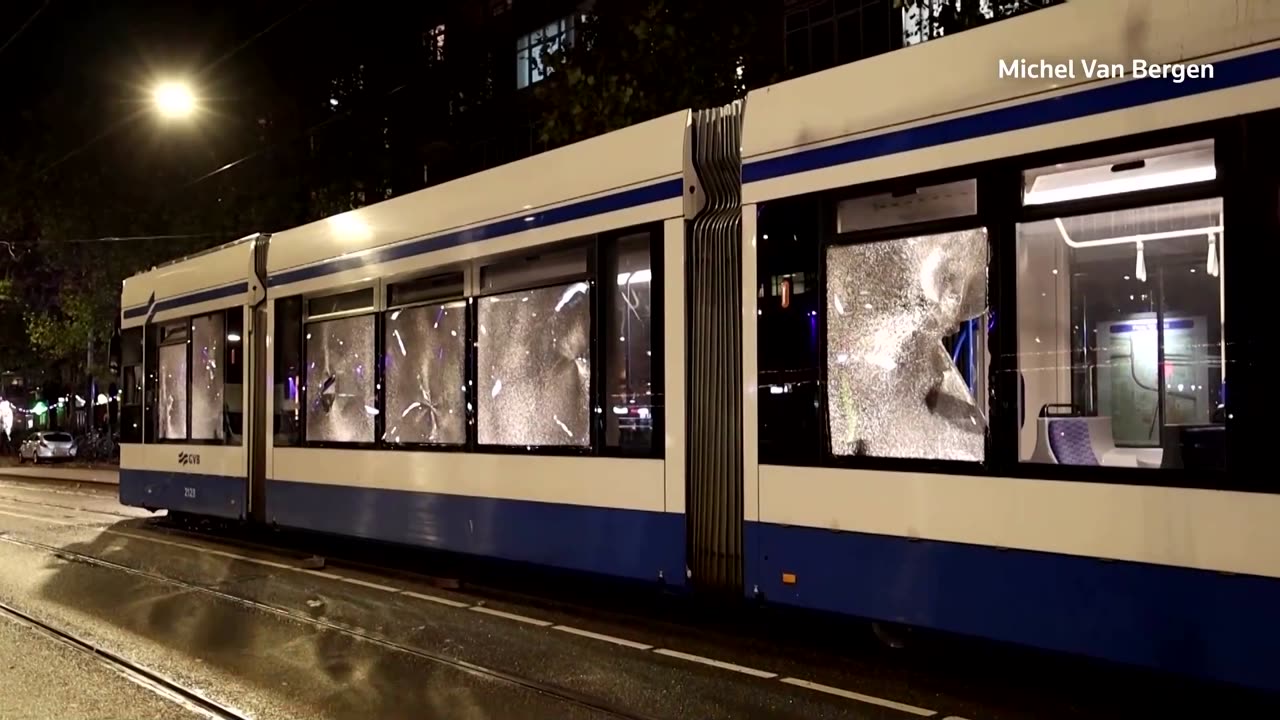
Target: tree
{"points": [[634, 60]]}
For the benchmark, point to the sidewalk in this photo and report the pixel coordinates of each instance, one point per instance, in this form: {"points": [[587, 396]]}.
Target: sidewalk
{"points": [[78, 472]]}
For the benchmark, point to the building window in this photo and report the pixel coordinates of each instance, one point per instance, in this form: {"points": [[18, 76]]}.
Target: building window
{"points": [[830, 32], [433, 41], [1120, 342], [531, 48], [894, 389], [924, 20], [534, 367]]}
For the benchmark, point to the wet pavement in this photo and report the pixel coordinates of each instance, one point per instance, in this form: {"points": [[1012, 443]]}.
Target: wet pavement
{"points": [[271, 635], [41, 678]]}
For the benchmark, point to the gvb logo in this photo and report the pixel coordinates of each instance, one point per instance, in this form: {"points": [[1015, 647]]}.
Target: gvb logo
{"points": [[186, 458]]}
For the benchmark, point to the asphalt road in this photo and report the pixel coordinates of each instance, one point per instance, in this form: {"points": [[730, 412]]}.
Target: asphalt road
{"points": [[270, 634]]}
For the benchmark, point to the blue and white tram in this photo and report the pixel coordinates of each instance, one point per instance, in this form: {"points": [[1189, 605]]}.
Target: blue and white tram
{"points": [[948, 349]]}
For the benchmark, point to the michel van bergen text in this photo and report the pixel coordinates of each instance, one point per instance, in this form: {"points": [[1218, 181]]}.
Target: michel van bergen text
{"points": [[1098, 70]]}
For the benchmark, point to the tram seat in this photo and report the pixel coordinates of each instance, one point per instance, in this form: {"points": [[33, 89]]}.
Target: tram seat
{"points": [[1076, 440]]}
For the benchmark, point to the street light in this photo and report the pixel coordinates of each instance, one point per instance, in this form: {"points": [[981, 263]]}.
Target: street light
{"points": [[174, 100]]}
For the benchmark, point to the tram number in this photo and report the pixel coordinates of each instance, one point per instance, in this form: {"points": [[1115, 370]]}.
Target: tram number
{"points": [[189, 492]]}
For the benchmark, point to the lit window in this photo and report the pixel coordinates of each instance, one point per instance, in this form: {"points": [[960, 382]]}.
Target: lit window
{"points": [[1120, 343], [531, 49], [433, 41]]}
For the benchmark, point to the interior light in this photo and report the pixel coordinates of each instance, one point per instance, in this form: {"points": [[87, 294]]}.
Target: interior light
{"points": [[232, 337], [1182, 168]]}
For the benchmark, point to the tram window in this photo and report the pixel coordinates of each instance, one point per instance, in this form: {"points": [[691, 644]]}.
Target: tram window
{"points": [[788, 242], [208, 370], [544, 268], [172, 382], [233, 397], [631, 400], [352, 301], [339, 388], [534, 367], [426, 351], [435, 288], [1120, 337], [287, 373], [893, 388], [131, 351]]}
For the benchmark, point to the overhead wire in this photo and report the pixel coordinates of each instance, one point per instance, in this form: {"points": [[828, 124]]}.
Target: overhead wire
{"points": [[24, 26]]}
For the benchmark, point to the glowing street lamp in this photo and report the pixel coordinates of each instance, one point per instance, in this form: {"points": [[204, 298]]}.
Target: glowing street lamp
{"points": [[174, 100]]}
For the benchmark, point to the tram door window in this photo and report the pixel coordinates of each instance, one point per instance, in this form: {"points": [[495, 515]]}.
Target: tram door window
{"points": [[131, 385], [287, 371], [788, 354]]}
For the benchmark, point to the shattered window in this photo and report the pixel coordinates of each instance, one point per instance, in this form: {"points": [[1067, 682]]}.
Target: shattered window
{"points": [[426, 374], [894, 388], [534, 367], [172, 394], [339, 380], [207, 377]]}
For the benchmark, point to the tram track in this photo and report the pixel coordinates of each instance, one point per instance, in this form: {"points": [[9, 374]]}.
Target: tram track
{"points": [[154, 682], [158, 683]]}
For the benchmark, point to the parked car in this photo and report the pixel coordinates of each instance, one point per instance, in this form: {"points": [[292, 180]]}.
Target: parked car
{"points": [[47, 446]]}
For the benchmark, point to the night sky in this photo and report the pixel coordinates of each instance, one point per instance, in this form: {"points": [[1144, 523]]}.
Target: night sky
{"points": [[80, 69]]}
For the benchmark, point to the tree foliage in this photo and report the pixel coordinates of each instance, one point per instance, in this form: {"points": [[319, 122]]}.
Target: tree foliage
{"points": [[634, 60]]}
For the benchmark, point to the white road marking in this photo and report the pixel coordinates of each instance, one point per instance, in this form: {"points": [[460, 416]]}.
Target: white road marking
{"points": [[319, 573], [869, 699], [436, 599], [366, 583], [509, 616], [716, 663], [37, 518], [606, 638]]}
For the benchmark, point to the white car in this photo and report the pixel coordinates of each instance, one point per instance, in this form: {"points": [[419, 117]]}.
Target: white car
{"points": [[47, 446]]}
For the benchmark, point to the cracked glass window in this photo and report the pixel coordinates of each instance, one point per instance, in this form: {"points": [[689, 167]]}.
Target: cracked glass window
{"points": [[534, 367], [894, 388], [425, 362], [172, 393], [339, 381], [207, 406]]}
